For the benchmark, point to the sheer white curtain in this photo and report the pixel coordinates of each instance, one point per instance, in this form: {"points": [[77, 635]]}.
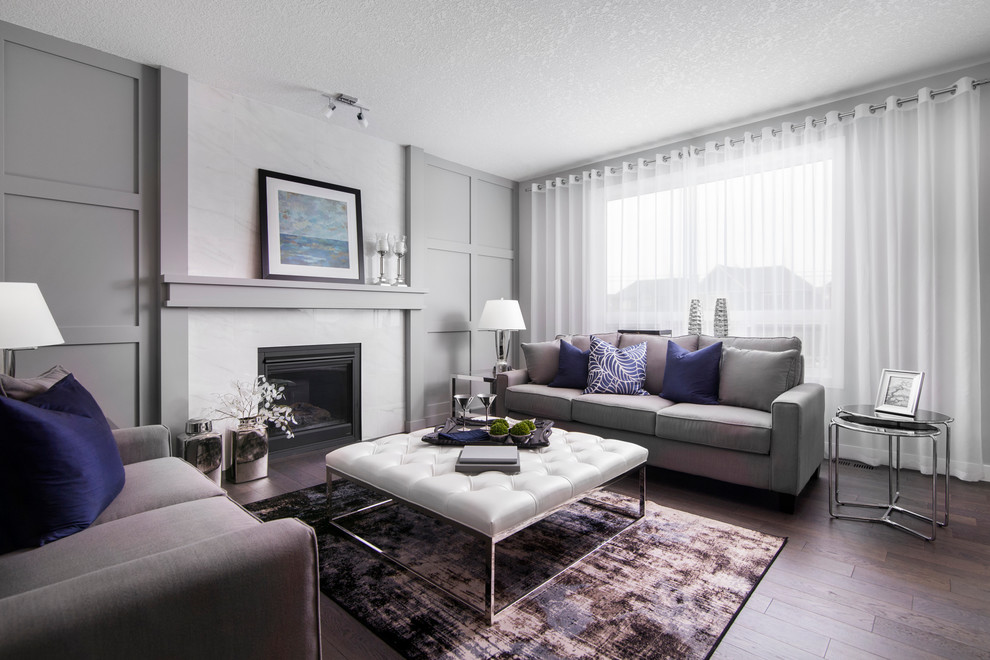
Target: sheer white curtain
{"points": [[858, 235]]}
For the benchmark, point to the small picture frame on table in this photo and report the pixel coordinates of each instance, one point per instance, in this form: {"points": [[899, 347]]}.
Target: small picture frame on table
{"points": [[310, 230], [899, 392]]}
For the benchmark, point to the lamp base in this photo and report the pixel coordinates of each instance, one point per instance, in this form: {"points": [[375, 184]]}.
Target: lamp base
{"points": [[502, 340], [501, 367]]}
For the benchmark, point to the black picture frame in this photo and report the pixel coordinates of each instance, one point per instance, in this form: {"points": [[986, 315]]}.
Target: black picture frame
{"points": [[310, 230]]}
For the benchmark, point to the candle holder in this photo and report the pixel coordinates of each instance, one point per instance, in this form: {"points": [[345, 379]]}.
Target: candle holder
{"points": [[381, 247], [400, 250]]}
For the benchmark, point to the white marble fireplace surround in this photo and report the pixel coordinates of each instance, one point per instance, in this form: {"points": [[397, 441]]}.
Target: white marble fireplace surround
{"points": [[223, 346], [230, 138]]}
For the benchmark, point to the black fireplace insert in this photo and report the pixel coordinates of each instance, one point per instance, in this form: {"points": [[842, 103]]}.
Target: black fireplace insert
{"points": [[323, 387]]}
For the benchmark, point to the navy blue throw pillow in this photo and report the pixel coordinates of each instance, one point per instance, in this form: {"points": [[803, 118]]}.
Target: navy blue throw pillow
{"points": [[572, 369], [60, 466], [692, 377]]}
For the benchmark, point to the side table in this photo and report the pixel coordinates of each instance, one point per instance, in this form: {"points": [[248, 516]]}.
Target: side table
{"points": [[865, 419]]}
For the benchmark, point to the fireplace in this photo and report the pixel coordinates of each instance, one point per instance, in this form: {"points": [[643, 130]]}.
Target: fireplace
{"points": [[323, 386]]}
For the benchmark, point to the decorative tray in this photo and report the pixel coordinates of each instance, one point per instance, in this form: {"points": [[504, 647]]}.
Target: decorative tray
{"points": [[446, 434]]}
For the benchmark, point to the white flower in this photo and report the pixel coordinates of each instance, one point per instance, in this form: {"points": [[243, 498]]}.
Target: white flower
{"points": [[255, 399]]}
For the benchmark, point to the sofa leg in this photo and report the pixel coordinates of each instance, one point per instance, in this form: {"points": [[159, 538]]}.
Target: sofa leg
{"points": [[786, 502]]}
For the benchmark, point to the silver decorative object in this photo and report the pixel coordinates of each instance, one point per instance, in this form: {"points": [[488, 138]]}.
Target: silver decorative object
{"points": [[694, 317], [721, 322], [381, 247], [203, 447], [400, 250], [463, 404], [250, 450], [487, 400]]}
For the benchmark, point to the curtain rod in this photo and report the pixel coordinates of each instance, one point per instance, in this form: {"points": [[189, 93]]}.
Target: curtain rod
{"points": [[776, 131]]}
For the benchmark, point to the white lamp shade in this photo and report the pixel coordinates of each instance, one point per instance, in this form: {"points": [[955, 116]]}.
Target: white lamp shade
{"points": [[501, 315], [25, 321]]}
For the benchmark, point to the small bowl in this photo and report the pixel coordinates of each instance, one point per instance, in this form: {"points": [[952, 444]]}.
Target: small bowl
{"points": [[498, 438]]}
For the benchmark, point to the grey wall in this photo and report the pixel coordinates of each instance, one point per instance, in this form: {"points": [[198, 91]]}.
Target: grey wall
{"points": [[470, 257], [79, 213], [978, 72]]}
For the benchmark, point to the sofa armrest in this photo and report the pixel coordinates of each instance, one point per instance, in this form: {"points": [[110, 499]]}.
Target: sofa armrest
{"points": [[797, 441], [142, 443], [253, 593], [505, 380]]}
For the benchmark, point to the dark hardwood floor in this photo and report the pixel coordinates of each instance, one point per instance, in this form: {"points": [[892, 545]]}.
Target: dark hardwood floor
{"points": [[839, 589]]}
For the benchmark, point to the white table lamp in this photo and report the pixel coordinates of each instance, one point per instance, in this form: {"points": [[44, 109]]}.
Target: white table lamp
{"points": [[25, 321], [502, 316]]}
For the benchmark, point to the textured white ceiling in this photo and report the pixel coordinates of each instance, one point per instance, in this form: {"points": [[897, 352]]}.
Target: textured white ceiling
{"points": [[522, 88]]}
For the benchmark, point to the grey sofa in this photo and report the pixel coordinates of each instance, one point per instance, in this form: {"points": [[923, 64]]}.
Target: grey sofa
{"points": [[778, 448], [172, 568]]}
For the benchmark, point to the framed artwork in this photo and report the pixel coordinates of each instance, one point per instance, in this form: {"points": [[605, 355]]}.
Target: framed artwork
{"points": [[310, 230], [899, 392]]}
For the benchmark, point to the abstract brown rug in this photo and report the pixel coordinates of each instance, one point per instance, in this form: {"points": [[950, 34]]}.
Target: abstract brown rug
{"points": [[667, 587]]}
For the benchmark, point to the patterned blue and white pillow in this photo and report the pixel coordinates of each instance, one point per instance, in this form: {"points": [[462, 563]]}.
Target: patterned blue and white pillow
{"points": [[614, 370]]}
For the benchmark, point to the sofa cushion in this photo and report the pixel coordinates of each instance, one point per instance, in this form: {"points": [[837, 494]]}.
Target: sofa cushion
{"points": [[584, 341], [728, 427], [60, 465], [120, 541], [762, 344], [573, 367], [542, 359], [614, 370], [155, 484], [692, 377], [753, 343], [23, 389], [656, 355], [753, 379], [619, 411], [541, 401]]}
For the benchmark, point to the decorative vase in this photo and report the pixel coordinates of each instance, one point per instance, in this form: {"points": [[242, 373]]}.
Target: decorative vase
{"points": [[694, 317], [721, 322], [203, 447], [249, 450]]}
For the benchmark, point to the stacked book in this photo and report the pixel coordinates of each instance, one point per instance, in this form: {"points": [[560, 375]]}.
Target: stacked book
{"points": [[475, 459]]}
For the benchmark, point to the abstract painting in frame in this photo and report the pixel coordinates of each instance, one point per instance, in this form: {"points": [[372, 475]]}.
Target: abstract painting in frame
{"points": [[310, 230], [899, 392]]}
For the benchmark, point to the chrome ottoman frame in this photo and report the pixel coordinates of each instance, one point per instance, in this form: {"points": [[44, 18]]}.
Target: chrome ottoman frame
{"points": [[487, 609]]}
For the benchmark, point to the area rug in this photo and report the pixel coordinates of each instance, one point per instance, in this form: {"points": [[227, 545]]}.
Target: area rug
{"points": [[666, 587]]}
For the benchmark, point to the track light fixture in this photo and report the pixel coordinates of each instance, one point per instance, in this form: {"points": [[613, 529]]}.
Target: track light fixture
{"points": [[333, 99]]}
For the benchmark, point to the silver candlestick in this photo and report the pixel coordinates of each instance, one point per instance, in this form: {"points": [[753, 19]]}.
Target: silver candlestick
{"points": [[400, 251], [381, 247]]}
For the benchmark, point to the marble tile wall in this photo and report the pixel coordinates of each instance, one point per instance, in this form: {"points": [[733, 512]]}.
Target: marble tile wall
{"points": [[230, 138], [223, 347]]}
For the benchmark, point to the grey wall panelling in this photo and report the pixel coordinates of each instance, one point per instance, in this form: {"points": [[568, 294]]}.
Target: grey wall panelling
{"points": [[80, 211], [470, 255]]}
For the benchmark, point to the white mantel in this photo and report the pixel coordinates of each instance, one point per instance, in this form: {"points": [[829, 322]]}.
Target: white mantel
{"points": [[230, 292]]}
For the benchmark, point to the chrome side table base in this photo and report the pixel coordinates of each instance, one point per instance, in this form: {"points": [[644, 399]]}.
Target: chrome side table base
{"points": [[894, 430]]}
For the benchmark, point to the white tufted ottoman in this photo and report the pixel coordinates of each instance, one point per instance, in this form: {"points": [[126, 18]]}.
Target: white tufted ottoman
{"points": [[492, 505]]}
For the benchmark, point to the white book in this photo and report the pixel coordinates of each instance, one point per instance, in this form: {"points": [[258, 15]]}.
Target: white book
{"points": [[491, 454]]}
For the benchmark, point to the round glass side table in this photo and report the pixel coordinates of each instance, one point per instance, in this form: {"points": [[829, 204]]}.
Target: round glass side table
{"points": [[864, 418]]}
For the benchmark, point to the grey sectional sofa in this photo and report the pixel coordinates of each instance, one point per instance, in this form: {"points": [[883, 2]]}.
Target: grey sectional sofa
{"points": [[172, 568], [777, 448]]}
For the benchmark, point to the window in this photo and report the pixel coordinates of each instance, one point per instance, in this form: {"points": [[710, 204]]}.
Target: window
{"points": [[763, 240]]}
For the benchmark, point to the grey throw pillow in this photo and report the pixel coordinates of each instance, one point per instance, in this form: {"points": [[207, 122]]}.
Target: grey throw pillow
{"points": [[753, 379], [542, 359], [23, 389], [584, 341]]}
